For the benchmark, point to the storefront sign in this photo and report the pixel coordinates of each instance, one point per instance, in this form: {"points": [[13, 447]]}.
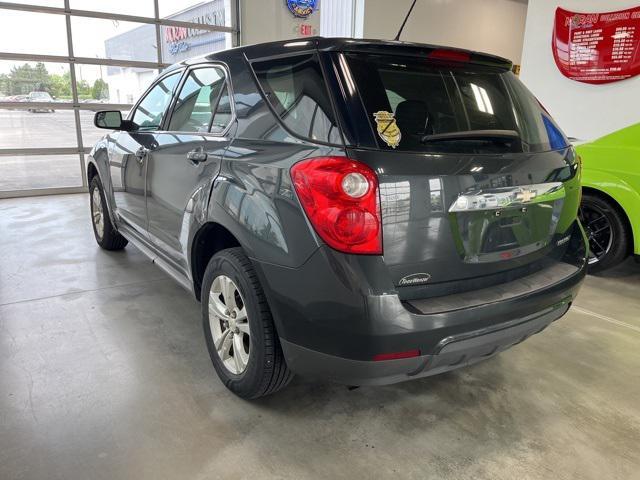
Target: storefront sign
{"points": [[176, 37], [302, 8], [597, 47]]}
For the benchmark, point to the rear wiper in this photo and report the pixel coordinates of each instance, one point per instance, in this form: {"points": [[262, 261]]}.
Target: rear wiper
{"points": [[482, 135]]}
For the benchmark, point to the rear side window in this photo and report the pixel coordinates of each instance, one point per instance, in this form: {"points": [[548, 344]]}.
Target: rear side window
{"points": [[409, 101], [295, 88], [203, 103]]}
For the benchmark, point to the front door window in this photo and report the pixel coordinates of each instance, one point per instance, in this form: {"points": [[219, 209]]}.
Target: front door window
{"points": [[151, 110]]}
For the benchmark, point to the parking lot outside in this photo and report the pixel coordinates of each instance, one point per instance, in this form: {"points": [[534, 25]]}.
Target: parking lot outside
{"points": [[23, 129]]}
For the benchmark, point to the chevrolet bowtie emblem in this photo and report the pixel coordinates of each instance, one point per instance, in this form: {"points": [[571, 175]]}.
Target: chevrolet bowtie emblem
{"points": [[525, 195]]}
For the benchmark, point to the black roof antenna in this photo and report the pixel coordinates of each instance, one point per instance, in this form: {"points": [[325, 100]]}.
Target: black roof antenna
{"points": [[405, 20]]}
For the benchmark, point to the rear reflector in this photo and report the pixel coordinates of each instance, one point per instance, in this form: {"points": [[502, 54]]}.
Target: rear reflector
{"points": [[450, 55], [397, 355]]}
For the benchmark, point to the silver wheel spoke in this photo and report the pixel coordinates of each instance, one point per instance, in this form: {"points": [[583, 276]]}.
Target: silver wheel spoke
{"points": [[220, 341], [225, 347], [228, 293], [238, 349], [216, 307], [244, 328], [241, 315]]}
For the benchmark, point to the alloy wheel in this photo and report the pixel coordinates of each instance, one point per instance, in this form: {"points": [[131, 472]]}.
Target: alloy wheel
{"points": [[97, 212], [599, 231], [229, 324]]}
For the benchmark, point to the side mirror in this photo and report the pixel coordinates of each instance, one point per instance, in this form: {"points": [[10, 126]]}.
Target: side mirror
{"points": [[112, 120]]}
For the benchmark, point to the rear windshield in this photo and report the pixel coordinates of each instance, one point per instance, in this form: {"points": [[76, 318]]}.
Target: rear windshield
{"points": [[414, 105]]}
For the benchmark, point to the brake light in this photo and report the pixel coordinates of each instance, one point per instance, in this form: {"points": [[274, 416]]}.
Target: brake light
{"points": [[449, 55], [340, 198]]}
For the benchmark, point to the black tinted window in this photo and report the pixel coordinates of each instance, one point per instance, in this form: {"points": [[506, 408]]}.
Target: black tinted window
{"points": [[411, 102], [295, 88]]}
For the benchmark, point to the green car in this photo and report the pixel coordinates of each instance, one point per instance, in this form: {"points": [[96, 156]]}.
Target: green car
{"points": [[610, 209]]}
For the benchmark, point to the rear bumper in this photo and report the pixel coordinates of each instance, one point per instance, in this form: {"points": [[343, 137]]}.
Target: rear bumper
{"points": [[334, 315], [452, 352]]}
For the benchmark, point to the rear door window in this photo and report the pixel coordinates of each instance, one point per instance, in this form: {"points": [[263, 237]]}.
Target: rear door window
{"points": [[424, 99], [203, 102], [295, 88]]}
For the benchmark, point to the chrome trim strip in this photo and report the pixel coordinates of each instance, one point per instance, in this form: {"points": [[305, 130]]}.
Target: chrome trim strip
{"points": [[498, 198]]}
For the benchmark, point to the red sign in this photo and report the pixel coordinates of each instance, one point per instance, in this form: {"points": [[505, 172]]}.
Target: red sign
{"points": [[597, 47], [306, 30]]}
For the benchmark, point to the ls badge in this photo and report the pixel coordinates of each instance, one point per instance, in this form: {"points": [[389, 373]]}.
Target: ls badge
{"points": [[414, 279], [387, 128]]}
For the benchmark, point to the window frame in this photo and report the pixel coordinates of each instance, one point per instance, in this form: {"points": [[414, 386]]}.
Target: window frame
{"points": [[185, 75], [265, 98]]}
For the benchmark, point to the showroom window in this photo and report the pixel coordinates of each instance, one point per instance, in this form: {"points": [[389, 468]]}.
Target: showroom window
{"points": [[81, 56]]}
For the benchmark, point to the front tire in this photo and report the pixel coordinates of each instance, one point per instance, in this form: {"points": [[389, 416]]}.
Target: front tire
{"points": [[241, 337], [106, 234], [607, 231]]}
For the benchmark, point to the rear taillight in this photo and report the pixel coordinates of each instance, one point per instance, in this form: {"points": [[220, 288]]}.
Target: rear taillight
{"points": [[340, 197]]}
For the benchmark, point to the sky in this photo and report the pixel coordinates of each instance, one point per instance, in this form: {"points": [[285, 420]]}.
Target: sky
{"points": [[45, 34]]}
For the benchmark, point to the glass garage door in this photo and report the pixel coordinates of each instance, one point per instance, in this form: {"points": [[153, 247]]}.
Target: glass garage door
{"points": [[62, 60]]}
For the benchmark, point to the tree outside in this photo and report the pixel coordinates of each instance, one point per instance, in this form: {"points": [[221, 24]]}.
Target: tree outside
{"points": [[26, 78]]}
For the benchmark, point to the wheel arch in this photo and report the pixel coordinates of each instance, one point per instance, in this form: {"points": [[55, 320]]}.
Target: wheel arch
{"points": [[210, 238], [623, 198], [97, 164], [92, 171]]}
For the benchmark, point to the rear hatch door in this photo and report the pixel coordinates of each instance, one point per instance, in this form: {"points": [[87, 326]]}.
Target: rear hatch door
{"points": [[475, 177]]}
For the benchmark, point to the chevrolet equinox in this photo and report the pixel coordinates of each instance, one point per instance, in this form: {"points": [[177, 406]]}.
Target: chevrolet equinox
{"points": [[361, 211]]}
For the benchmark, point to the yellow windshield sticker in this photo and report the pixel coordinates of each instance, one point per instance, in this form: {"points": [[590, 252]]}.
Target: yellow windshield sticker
{"points": [[387, 128]]}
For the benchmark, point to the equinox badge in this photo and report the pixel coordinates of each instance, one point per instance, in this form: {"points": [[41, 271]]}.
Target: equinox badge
{"points": [[414, 279]]}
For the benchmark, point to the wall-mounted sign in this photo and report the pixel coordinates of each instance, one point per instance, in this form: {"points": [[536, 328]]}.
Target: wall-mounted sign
{"points": [[597, 47], [302, 8], [305, 30]]}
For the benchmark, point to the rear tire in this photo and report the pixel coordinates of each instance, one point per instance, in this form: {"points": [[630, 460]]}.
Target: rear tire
{"points": [[265, 370], [607, 231], [106, 234]]}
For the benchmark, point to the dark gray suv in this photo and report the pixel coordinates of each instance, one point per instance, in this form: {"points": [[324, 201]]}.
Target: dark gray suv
{"points": [[365, 212]]}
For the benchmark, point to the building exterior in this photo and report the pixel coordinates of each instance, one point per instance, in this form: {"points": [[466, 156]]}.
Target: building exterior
{"points": [[176, 43]]}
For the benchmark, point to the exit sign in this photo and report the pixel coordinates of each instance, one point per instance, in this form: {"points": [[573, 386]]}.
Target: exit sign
{"points": [[305, 30]]}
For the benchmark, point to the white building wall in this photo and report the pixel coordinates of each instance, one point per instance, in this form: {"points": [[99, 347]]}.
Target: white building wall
{"points": [[270, 20], [582, 110], [492, 26]]}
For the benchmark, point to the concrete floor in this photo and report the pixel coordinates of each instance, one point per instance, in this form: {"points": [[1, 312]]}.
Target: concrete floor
{"points": [[104, 375]]}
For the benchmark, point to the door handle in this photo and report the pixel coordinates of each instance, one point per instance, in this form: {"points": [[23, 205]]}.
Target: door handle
{"points": [[197, 156], [140, 154]]}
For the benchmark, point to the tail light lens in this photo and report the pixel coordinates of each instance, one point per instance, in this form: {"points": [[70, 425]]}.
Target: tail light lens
{"points": [[340, 196]]}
